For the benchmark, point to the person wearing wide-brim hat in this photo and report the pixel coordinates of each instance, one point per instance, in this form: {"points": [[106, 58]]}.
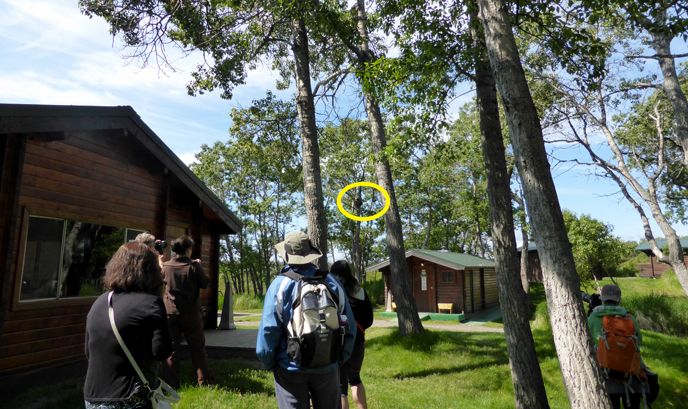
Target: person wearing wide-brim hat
{"points": [[297, 387], [297, 249]]}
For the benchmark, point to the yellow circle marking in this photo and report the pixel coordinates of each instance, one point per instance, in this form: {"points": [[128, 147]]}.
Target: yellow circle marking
{"points": [[357, 218]]}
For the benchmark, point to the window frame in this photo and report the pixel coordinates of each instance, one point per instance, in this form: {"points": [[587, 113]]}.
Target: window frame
{"points": [[43, 303], [453, 279]]}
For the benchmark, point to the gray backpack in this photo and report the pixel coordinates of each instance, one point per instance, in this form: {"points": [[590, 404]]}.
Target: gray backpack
{"points": [[315, 333]]}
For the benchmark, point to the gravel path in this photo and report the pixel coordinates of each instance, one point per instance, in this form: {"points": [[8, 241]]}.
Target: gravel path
{"points": [[386, 323]]}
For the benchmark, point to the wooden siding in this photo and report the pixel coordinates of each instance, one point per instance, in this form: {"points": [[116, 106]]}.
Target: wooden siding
{"points": [[12, 153], [477, 291], [67, 179], [491, 290], [450, 292], [468, 291]]}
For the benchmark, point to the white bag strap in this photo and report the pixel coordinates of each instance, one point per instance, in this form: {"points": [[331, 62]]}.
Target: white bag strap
{"points": [[111, 313]]}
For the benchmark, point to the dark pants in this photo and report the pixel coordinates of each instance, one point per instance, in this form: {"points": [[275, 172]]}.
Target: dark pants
{"points": [[350, 371], [296, 390], [617, 398], [191, 325]]}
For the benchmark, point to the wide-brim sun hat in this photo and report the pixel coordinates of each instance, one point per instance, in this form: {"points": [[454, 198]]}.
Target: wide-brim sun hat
{"points": [[297, 249]]}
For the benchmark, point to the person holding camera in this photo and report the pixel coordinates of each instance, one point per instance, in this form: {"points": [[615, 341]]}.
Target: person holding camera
{"points": [[150, 241], [184, 279]]}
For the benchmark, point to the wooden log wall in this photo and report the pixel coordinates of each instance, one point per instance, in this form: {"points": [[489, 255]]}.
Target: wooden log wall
{"points": [[450, 292], [12, 150], [477, 291], [85, 177], [468, 291], [491, 290]]}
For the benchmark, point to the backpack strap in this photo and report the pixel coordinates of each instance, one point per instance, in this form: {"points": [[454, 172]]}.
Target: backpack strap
{"points": [[279, 301], [293, 275], [320, 275]]}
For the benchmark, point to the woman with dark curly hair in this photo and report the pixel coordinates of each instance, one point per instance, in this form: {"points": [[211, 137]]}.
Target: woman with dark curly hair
{"points": [[350, 371], [184, 279], [133, 275]]}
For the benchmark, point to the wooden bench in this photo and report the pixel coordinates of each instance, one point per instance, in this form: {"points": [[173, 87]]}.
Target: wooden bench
{"points": [[445, 306], [394, 307]]}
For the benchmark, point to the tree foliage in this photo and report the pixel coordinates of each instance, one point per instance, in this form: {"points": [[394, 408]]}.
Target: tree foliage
{"points": [[257, 173], [596, 250]]}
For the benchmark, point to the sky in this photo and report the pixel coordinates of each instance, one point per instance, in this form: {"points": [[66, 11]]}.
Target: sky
{"points": [[52, 54]]}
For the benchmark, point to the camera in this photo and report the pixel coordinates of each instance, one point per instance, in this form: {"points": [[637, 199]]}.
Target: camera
{"points": [[160, 246], [593, 301]]}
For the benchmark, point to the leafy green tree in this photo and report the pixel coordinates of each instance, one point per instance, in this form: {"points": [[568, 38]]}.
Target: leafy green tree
{"points": [[434, 39], [257, 174], [347, 159], [584, 385], [646, 152], [595, 249], [234, 37]]}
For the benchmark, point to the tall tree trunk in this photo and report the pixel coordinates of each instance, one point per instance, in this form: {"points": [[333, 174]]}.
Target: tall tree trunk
{"points": [[661, 44], [529, 388], [310, 151], [524, 262], [524, 247], [428, 228], [579, 367], [402, 288]]}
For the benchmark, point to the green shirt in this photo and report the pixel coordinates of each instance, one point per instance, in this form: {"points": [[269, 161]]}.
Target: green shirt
{"points": [[595, 321]]}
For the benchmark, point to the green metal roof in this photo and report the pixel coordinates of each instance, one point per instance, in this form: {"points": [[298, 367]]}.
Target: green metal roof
{"points": [[645, 247], [456, 261], [531, 247]]}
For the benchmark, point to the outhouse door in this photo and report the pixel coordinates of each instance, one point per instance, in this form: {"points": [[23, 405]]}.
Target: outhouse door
{"points": [[424, 287]]}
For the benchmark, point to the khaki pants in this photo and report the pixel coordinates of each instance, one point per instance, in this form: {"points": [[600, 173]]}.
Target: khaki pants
{"points": [[191, 325]]}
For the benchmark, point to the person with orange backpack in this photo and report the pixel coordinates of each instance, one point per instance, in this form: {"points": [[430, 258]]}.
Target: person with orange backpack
{"points": [[617, 338]]}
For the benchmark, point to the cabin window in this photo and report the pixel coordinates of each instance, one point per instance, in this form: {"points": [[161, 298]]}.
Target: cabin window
{"points": [[67, 258], [447, 276]]}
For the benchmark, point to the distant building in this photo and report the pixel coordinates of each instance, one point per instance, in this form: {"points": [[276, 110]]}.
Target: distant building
{"points": [[655, 268], [467, 282], [534, 272]]}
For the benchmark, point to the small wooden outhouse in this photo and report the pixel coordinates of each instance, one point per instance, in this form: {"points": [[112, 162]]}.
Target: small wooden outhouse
{"points": [[76, 183], [468, 283]]}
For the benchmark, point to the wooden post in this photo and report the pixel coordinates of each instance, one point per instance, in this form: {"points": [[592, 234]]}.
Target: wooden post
{"points": [[227, 318]]}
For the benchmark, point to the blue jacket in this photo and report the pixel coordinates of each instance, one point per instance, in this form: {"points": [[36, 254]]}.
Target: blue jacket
{"points": [[271, 345]]}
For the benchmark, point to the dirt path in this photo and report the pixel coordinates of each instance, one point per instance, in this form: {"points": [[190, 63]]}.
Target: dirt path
{"points": [[386, 323]]}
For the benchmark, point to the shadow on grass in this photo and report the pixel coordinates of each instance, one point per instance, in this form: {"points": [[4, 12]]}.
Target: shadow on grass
{"points": [[453, 370], [429, 340], [233, 376], [439, 341]]}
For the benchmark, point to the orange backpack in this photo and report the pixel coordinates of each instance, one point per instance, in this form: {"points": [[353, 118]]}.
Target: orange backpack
{"points": [[617, 348]]}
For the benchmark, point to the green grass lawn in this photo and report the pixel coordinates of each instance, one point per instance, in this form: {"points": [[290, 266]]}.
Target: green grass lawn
{"points": [[436, 369]]}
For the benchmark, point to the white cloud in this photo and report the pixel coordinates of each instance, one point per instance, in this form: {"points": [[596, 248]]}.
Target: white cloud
{"points": [[188, 158]]}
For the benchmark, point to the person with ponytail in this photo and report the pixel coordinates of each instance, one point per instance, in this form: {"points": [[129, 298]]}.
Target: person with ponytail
{"points": [[350, 371], [184, 278]]}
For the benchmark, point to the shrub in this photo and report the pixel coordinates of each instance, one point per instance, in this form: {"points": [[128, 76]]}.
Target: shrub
{"points": [[659, 312], [375, 290], [244, 302], [624, 271]]}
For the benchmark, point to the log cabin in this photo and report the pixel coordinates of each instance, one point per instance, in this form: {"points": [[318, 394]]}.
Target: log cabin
{"points": [[468, 283], [76, 183], [655, 268], [534, 272]]}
